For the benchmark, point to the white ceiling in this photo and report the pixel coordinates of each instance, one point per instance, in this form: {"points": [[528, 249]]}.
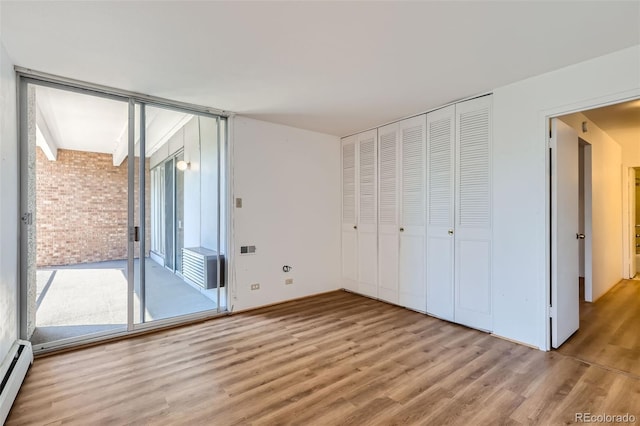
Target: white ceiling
{"points": [[620, 121], [334, 67]]}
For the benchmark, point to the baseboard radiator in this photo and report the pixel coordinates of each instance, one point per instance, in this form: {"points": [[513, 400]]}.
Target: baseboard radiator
{"points": [[15, 368]]}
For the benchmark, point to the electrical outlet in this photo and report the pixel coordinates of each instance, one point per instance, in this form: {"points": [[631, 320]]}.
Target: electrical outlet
{"points": [[255, 286], [288, 281]]}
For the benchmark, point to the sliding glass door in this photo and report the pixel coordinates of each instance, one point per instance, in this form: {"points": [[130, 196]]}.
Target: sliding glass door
{"points": [[185, 268], [123, 213]]}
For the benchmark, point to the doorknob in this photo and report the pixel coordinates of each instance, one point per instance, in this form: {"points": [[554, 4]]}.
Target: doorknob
{"points": [[401, 229], [580, 236], [355, 226], [450, 232]]}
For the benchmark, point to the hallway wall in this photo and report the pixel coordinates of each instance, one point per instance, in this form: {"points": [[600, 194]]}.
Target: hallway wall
{"points": [[607, 235]]}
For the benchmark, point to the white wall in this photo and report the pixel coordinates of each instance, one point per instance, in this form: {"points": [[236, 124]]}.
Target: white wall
{"points": [[8, 206], [289, 182], [606, 213], [209, 183], [520, 227], [629, 139], [192, 184], [199, 138]]}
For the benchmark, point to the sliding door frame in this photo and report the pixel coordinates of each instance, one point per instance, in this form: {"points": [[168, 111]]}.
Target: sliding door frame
{"points": [[26, 77]]}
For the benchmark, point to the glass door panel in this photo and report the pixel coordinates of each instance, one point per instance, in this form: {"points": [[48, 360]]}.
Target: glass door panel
{"points": [[74, 207], [183, 270]]}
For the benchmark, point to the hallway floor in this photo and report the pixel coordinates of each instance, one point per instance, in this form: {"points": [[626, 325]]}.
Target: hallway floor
{"points": [[609, 333]]}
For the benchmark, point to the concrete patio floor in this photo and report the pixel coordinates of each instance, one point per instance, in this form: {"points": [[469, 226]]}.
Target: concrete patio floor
{"points": [[77, 300]]}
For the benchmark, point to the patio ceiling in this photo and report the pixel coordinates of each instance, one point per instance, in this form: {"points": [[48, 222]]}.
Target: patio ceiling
{"points": [[74, 121]]}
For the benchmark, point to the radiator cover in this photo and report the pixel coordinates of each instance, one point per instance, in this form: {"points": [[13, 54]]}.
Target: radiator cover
{"points": [[15, 368], [200, 266]]}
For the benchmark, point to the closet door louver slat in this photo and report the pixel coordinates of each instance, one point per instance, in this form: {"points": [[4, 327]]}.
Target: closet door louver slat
{"points": [[388, 179], [473, 208], [367, 181], [413, 175], [349, 183]]}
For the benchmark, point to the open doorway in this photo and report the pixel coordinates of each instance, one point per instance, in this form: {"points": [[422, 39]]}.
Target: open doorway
{"points": [[602, 145]]}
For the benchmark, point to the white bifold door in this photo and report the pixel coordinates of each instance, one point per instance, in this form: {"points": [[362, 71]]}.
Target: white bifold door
{"points": [[367, 213], [441, 131], [459, 213], [359, 213], [402, 182]]}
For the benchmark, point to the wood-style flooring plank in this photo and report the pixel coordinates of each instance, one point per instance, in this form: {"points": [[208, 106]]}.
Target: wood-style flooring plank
{"points": [[333, 359]]}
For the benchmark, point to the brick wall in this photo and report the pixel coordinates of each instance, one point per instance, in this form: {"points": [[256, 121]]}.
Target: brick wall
{"points": [[81, 208]]}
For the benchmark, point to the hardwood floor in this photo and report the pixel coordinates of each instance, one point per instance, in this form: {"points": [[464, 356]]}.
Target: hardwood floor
{"points": [[332, 359], [609, 333]]}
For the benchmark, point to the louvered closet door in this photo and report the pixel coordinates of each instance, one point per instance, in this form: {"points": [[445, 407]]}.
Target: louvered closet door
{"points": [[388, 212], [367, 213], [349, 215], [412, 280], [441, 126], [473, 214]]}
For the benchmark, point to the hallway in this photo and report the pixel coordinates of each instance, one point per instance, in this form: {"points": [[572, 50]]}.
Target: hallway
{"points": [[608, 334]]}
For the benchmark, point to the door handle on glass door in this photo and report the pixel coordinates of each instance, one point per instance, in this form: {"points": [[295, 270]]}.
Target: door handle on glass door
{"points": [[580, 236]]}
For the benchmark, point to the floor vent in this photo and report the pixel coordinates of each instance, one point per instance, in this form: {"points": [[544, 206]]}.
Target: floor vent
{"points": [[15, 366]]}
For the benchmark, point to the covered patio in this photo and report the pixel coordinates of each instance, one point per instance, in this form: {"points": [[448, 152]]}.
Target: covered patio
{"points": [[82, 299]]}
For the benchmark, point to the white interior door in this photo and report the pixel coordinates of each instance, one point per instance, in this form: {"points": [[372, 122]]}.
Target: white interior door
{"points": [[472, 275], [564, 231], [388, 212], [367, 213], [440, 220], [412, 275], [632, 222], [349, 214]]}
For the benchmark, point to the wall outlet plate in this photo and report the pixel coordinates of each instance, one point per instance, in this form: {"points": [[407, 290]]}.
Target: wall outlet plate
{"points": [[288, 281], [255, 286]]}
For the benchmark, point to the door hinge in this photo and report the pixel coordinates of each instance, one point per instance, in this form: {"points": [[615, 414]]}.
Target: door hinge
{"points": [[552, 312], [27, 218]]}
